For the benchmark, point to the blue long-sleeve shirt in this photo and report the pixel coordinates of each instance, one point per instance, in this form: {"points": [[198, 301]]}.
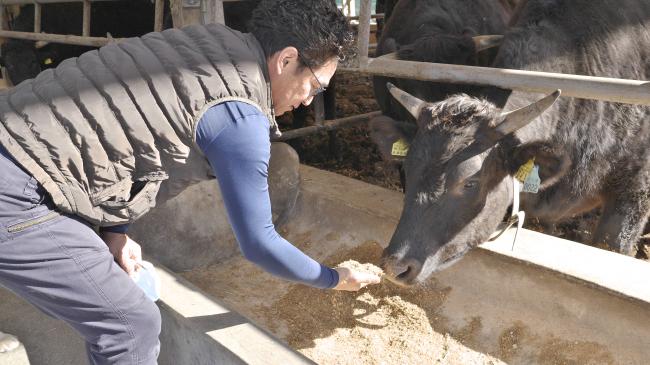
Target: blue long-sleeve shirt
{"points": [[234, 136]]}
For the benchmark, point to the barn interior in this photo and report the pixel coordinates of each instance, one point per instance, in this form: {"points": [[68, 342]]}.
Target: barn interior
{"points": [[541, 300]]}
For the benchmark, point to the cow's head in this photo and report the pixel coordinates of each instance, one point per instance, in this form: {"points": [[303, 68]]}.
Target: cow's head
{"points": [[21, 60], [460, 154]]}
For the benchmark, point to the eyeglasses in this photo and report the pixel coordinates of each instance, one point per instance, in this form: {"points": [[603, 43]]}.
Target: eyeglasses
{"points": [[320, 87]]}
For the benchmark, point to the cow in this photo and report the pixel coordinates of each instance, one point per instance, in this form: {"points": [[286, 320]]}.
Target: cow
{"points": [[442, 31], [589, 153], [119, 18]]}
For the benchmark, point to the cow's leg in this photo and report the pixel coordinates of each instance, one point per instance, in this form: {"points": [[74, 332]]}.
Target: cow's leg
{"points": [[623, 220]]}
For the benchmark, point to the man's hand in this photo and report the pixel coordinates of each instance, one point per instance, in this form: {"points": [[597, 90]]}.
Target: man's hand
{"points": [[127, 252], [353, 280]]}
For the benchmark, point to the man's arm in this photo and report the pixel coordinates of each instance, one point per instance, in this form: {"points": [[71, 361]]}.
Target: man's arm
{"points": [[234, 136]]}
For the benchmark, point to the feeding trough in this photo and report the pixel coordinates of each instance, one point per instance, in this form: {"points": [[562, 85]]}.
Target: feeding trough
{"points": [[547, 301]]}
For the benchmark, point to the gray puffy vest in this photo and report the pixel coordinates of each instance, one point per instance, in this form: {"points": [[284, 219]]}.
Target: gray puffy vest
{"points": [[112, 131]]}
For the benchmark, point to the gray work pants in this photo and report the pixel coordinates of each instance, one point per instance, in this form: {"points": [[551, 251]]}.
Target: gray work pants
{"points": [[60, 265]]}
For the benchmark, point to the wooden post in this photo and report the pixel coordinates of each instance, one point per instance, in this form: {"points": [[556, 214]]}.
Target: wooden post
{"points": [[85, 31], [37, 17], [176, 8], [364, 32], [219, 16], [158, 15]]}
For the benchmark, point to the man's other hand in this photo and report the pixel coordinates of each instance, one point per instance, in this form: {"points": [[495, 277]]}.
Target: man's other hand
{"points": [[127, 252]]}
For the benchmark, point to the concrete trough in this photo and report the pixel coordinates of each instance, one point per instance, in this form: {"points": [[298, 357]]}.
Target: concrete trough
{"points": [[548, 301]]}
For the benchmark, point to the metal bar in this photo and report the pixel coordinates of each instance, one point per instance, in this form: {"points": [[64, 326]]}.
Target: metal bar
{"points": [[85, 28], [586, 87], [373, 16], [327, 126], [38, 12], [2, 17], [59, 38], [364, 32], [158, 15]]}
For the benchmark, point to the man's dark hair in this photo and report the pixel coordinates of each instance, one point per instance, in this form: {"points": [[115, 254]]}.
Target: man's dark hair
{"points": [[317, 28]]}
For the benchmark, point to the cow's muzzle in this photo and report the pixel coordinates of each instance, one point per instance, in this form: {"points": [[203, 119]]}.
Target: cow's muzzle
{"points": [[402, 271]]}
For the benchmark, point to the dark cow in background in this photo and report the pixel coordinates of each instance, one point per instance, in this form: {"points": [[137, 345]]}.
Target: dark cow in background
{"points": [[119, 18], [590, 153], [439, 31], [127, 18]]}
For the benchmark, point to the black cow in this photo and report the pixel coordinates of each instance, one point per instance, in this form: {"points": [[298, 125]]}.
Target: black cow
{"points": [[120, 19], [590, 153], [442, 31]]}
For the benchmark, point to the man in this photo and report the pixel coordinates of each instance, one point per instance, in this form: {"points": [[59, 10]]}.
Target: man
{"points": [[97, 141]]}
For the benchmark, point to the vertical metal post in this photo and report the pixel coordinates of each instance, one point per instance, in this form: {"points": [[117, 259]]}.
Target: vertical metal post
{"points": [[85, 31], [37, 17], [158, 15], [364, 33]]}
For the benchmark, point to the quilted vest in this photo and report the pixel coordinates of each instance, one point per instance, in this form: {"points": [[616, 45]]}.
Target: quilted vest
{"points": [[112, 131]]}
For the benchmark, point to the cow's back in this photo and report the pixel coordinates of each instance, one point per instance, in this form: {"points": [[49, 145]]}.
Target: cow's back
{"points": [[584, 37], [593, 38], [411, 19]]}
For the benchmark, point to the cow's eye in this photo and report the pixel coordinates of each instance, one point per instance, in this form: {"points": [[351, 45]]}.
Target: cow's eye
{"points": [[471, 184]]}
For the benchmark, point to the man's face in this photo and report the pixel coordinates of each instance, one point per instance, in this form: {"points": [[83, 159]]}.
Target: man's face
{"points": [[291, 84]]}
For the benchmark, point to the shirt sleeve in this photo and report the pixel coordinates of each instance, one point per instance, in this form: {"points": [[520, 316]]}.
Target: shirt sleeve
{"points": [[234, 136], [122, 228]]}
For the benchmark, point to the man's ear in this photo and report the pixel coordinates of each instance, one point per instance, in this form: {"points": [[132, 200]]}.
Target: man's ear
{"points": [[385, 131], [282, 59], [553, 164]]}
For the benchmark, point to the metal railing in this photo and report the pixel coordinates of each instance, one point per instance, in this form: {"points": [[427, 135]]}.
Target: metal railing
{"points": [[586, 87]]}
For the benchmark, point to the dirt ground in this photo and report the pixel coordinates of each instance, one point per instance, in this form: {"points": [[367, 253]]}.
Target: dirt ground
{"points": [[357, 157]]}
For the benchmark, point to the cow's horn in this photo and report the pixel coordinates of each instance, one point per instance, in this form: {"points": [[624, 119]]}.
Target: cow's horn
{"points": [[511, 121], [483, 42], [410, 102]]}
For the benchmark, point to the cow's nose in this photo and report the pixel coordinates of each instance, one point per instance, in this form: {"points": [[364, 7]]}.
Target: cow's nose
{"points": [[401, 270]]}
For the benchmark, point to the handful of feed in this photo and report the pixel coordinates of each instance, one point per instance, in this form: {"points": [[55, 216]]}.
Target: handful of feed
{"points": [[357, 266]]}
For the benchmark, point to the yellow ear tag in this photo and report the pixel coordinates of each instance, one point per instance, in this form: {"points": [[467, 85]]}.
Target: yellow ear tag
{"points": [[47, 61], [524, 170], [400, 148]]}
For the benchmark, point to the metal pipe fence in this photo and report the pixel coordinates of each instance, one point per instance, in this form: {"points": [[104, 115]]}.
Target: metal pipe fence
{"points": [[586, 87]]}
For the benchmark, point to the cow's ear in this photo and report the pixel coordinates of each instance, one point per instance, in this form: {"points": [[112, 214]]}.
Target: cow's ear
{"points": [[553, 163], [386, 132]]}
